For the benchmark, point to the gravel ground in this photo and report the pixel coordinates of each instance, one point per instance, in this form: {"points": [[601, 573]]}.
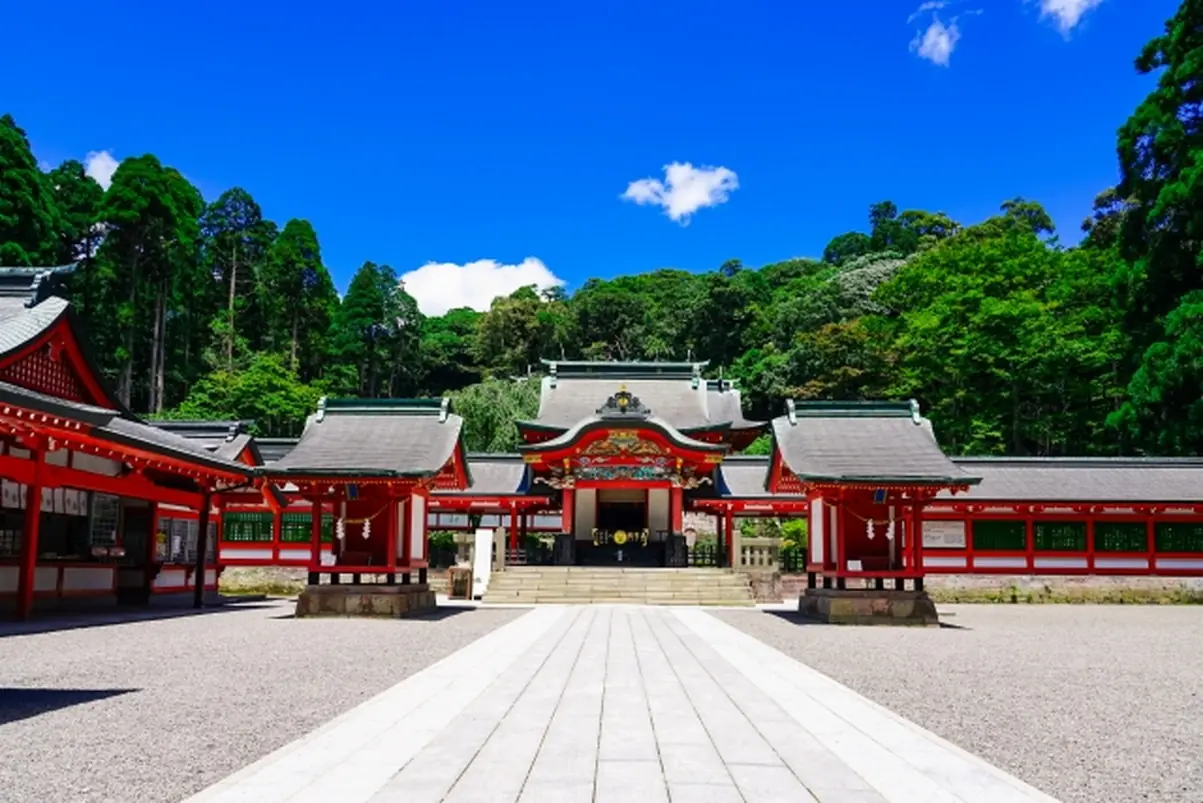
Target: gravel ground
{"points": [[157, 710], [1092, 704]]}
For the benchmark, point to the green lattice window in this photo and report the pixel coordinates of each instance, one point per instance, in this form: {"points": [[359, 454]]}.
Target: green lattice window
{"points": [[999, 536], [1172, 536], [1120, 536], [247, 527], [1059, 536], [296, 528]]}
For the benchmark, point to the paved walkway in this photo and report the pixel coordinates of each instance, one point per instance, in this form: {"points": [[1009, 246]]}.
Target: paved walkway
{"points": [[622, 704]]}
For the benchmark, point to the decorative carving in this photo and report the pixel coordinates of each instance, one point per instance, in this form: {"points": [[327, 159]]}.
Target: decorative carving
{"points": [[557, 481], [623, 442], [623, 404]]}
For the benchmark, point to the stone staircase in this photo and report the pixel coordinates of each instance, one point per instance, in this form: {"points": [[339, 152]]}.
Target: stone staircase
{"points": [[585, 584]]}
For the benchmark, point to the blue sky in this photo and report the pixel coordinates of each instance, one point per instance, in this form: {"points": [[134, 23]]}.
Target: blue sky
{"points": [[505, 134]]}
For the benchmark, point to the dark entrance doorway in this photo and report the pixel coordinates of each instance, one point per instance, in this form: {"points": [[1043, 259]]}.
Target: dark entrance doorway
{"points": [[621, 536], [628, 516]]}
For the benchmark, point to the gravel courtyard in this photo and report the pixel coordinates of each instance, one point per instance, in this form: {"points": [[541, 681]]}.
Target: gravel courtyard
{"points": [[156, 710], [1092, 704]]}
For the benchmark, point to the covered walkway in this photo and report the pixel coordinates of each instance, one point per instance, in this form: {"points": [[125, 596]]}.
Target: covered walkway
{"points": [[611, 703]]}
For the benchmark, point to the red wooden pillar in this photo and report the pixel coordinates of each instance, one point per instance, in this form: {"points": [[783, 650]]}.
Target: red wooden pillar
{"points": [[1029, 528], [917, 518], [202, 547], [1090, 545], [513, 527], [568, 512], [675, 506], [393, 532], [729, 536], [840, 548], [277, 534], [315, 540], [29, 538], [1151, 540]]}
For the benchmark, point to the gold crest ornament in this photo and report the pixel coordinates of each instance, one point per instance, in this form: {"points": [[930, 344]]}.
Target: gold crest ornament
{"points": [[620, 537]]}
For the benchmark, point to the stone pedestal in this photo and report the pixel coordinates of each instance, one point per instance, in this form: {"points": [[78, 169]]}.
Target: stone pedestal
{"points": [[868, 607], [389, 602]]}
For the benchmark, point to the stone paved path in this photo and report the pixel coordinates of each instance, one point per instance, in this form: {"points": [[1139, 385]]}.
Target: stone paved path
{"points": [[624, 705]]}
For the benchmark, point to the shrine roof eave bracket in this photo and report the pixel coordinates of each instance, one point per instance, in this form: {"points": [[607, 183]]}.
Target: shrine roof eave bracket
{"points": [[670, 433]]}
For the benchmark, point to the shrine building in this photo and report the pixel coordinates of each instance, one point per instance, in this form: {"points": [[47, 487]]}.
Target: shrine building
{"points": [[99, 504]]}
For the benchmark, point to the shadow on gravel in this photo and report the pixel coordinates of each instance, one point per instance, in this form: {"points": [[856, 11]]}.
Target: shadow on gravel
{"points": [[53, 622], [795, 618], [16, 704], [437, 615]]}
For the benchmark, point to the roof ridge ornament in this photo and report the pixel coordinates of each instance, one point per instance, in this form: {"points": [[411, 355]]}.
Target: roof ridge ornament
{"points": [[915, 415], [444, 409], [321, 409], [623, 404], [791, 412]]}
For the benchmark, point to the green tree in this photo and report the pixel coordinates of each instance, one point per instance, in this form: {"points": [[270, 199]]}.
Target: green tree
{"points": [[298, 298], [489, 410], [236, 243], [29, 219], [267, 392]]}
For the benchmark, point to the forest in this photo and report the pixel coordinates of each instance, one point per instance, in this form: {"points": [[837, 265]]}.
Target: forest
{"points": [[1012, 342]]}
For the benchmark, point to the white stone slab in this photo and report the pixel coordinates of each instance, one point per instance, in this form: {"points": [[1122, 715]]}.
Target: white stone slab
{"points": [[899, 759], [354, 755]]}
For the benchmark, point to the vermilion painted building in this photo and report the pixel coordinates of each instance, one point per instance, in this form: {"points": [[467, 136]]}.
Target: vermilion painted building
{"points": [[616, 456]]}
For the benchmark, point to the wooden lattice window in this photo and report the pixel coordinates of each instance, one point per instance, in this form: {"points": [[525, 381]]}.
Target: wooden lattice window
{"points": [[46, 371], [1060, 536], [1173, 536], [1120, 536], [106, 517], [297, 528], [999, 536]]}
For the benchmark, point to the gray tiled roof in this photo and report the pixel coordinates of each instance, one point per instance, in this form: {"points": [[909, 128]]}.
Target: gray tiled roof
{"points": [[1084, 479], [388, 437], [272, 449], [564, 402], [494, 475], [723, 405], [863, 442], [20, 324], [118, 427], [744, 477]]}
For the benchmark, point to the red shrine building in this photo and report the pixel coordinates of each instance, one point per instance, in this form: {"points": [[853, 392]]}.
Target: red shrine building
{"points": [[99, 504]]}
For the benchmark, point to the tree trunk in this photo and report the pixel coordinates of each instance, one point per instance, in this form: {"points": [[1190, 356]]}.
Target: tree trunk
{"points": [[296, 320], [156, 343], [125, 385], [230, 309], [161, 367]]}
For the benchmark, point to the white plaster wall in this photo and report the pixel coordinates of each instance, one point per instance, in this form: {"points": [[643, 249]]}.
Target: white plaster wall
{"points": [[417, 524], [657, 509], [818, 522], [402, 512], [584, 518]]}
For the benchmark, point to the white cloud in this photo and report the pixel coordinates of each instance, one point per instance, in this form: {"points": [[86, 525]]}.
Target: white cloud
{"points": [[1067, 14], [933, 5], [442, 286], [938, 41], [685, 189], [101, 166]]}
